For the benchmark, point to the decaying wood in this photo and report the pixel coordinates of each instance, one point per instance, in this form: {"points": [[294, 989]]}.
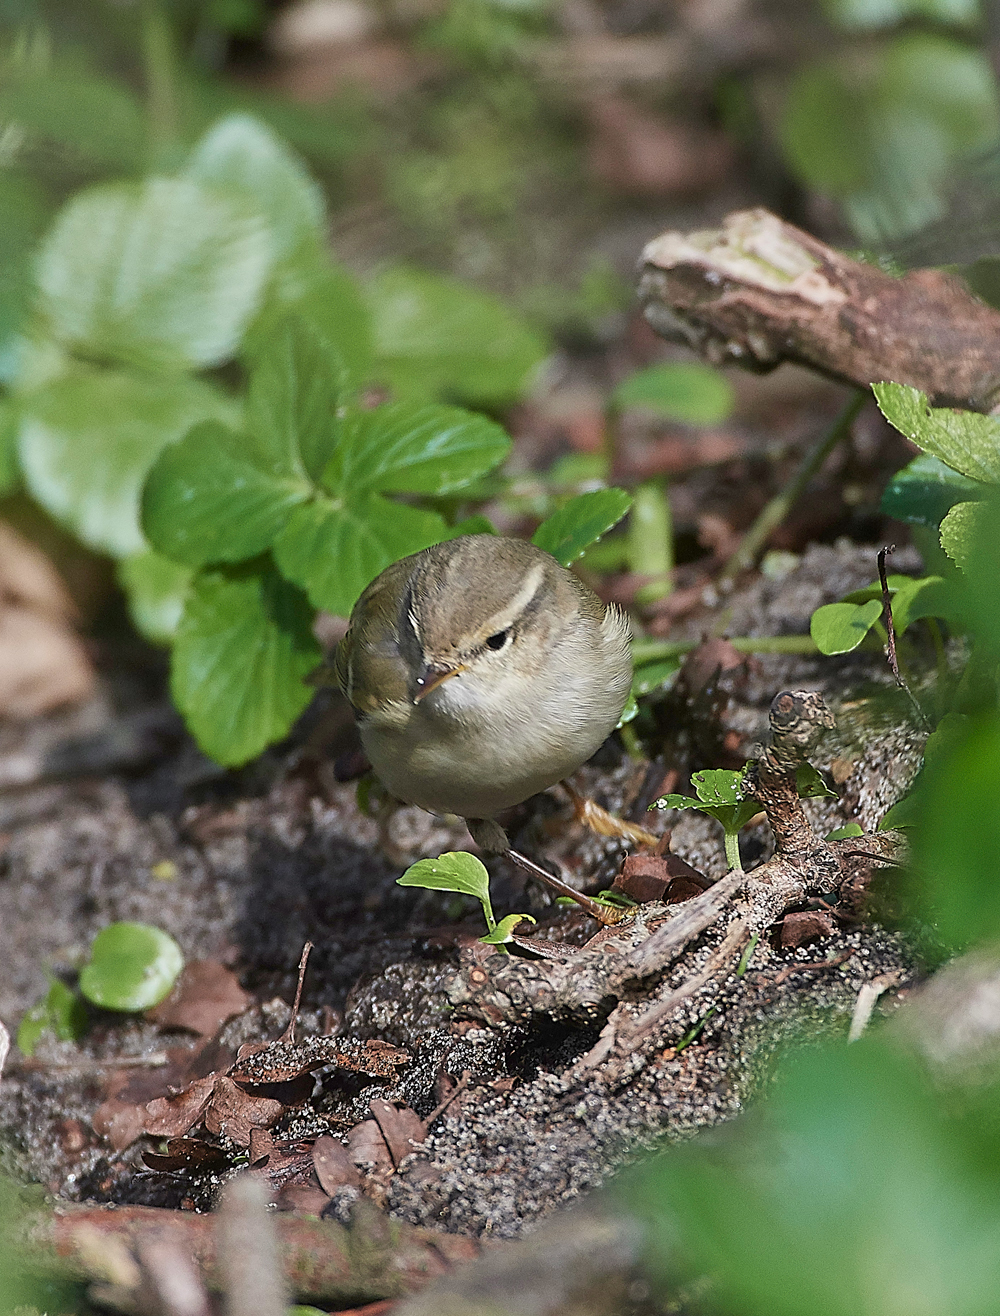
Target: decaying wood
{"points": [[759, 291], [584, 987], [321, 1261]]}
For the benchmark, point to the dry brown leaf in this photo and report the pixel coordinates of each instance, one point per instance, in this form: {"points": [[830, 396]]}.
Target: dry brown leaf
{"points": [[402, 1128], [333, 1164], [203, 998], [234, 1112], [367, 1147]]}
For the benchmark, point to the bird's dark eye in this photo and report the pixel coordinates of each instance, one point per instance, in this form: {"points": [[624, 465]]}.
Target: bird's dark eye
{"points": [[498, 641]]}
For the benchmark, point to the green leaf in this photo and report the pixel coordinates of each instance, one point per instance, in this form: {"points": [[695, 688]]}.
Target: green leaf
{"points": [[929, 596], [676, 802], [655, 676], [324, 295], [25, 212], [297, 383], [10, 469], [810, 785], [407, 448], [60, 1012], [164, 273], [958, 531], [719, 786], [454, 871], [88, 440], [334, 548], [208, 499], [629, 713], [156, 589], [964, 440], [242, 650], [840, 627], [240, 154], [720, 795], [844, 833], [132, 966], [922, 492], [864, 14], [566, 534], [438, 338], [504, 930], [904, 813], [690, 392], [92, 119]]}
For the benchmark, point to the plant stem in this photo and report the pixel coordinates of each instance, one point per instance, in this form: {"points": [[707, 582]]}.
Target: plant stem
{"points": [[647, 650], [733, 852], [160, 64], [778, 508], [651, 540]]}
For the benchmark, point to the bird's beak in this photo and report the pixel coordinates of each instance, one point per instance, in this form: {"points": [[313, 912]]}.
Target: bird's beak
{"points": [[430, 676]]}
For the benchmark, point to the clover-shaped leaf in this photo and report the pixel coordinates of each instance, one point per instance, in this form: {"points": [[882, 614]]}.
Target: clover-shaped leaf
{"points": [[958, 532], [567, 533]]}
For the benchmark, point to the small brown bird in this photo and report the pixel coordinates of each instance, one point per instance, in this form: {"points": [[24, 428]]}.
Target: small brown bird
{"points": [[482, 672]]}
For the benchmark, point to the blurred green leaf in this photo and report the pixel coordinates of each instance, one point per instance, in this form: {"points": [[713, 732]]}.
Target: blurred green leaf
{"points": [[312, 288], [132, 966], [882, 133], [87, 441], [334, 548], [243, 647], [156, 589], [209, 498], [923, 491], [409, 448], [24, 214], [163, 273], [95, 120], [685, 391], [853, 1190], [655, 676], [958, 531], [581, 522], [884, 13], [720, 795], [10, 468], [438, 338], [60, 1012], [846, 832], [840, 627], [242, 155], [296, 386], [965, 440]]}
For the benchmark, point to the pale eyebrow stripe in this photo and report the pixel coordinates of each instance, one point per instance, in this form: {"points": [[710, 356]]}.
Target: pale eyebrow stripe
{"points": [[530, 587]]}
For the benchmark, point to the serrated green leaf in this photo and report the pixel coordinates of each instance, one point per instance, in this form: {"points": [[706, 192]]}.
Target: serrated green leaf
{"points": [[296, 386], [719, 785], [810, 785], [335, 548], [408, 448], [686, 391], [922, 492], [454, 871], [438, 338], [208, 500], [504, 930], [566, 534], [87, 441], [164, 273], [156, 589], [242, 651], [132, 966], [840, 627], [241, 154], [310, 287], [958, 531], [964, 440]]}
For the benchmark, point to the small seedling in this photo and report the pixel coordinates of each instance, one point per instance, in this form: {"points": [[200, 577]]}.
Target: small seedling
{"points": [[132, 966], [457, 870], [60, 1012], [723, 795]]}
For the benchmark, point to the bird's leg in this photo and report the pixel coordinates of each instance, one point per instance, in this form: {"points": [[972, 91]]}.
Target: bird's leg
{"points": [[489, 835], [602, 913], [590, 813]]}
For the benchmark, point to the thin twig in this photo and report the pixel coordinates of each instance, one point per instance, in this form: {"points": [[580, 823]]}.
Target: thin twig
{"points": [[442, 1106], [782, 503], [288, 1036], [890, 631]]}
